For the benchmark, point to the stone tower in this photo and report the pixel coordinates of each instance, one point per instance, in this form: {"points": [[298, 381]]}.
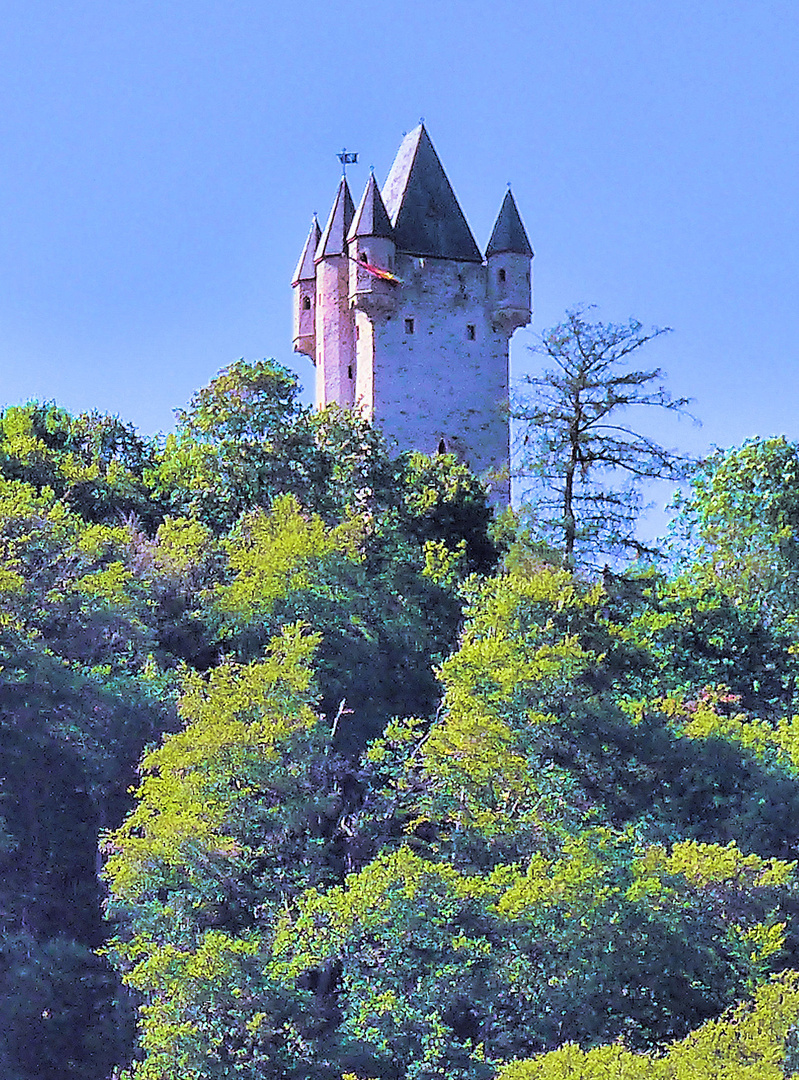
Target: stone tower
{"points": [[405, 319]]}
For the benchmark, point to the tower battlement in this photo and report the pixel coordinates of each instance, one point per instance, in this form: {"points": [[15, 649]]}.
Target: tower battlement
{"points": [[405, 319]]}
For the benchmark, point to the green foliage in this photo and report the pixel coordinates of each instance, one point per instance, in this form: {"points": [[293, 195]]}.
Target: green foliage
{"points": [[65, 582], [615, 724], [443, 503], [470, 901], [241, 442], [740, 526], [746, 1044], [274, 554], [229, 824], [383, 622], [121, 561], [440, 969], [245, 439], [68, 743], [408, 818], [211, 1011], [76, 710], [94, 462], [196, 778], [60, 1018], [69, 740]]}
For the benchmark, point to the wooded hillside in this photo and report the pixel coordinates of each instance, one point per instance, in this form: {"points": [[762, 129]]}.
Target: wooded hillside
{"points": [[381, 788]]}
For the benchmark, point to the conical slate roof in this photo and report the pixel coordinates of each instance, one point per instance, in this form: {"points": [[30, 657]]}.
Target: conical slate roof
{"points": [[371, 218], [306, 271], [509, 233], [422, 206], [334, 239]]}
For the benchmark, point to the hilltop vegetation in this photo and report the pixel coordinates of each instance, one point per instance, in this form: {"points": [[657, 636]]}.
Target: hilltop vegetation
{"points": [[381, 788]]}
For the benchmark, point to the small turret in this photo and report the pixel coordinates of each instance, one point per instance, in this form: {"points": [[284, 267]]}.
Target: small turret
{"points": [[371, 254], [304, 285], [509, 256], [333, 240], [335, 325]]}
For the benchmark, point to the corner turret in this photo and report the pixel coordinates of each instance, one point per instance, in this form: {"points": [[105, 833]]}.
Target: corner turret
{"points": [[371, 252], [304, 285], [509, 257], [335, 325]]}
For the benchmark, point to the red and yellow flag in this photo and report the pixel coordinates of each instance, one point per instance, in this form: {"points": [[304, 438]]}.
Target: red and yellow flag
{"points": [[378, 272]]}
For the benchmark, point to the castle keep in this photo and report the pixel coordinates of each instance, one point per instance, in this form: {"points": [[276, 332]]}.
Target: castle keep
{"points": [[405, 319]]}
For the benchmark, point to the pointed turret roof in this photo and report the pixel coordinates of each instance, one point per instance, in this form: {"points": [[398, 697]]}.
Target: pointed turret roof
{"points": [[334, 239], [422, 206], [509, 232], [371, 218], [306, 271]]}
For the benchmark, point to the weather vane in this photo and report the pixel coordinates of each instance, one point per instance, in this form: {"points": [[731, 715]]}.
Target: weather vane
{"points": [[346, 159]]}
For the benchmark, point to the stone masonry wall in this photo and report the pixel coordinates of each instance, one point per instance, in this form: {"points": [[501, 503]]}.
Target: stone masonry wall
{"points": [[440, 368]]}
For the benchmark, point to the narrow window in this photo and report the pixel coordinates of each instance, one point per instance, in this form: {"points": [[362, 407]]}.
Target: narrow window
{"points": [[349, 371], [409, 326], [442, 447], [470, 331], [306, 303], [363, 257], [501, 274]]}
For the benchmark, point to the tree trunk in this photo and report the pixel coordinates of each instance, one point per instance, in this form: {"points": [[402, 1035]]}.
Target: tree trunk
{"points": [[569, 520]]}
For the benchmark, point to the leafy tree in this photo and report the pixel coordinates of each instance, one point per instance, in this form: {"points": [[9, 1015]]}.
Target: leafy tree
{"points": [[586, 462], [746, 1044], [469, 896], [229, 827], [77, 704], [739, 526], [421, 817], [240, 442], [69, 742], [105, 593], [383, 619], [245, 439], [648, 657], [94, 462]]}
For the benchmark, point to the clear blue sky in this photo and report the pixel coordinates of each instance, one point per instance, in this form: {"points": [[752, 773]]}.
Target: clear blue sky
{"points": [[161, 159]]}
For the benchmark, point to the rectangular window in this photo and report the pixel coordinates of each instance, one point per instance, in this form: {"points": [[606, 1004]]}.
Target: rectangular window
{"points": [[470, 331], [409, 326]]}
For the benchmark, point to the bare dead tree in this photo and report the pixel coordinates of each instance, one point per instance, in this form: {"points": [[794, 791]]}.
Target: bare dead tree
{"points": [[584, 463]]}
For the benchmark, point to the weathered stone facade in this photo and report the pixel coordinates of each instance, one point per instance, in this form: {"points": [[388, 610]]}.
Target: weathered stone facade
{"points": [[407, 322]]}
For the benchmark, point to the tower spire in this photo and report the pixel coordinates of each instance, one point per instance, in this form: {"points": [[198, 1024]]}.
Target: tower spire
{"points": [[509, 233], [371, 218], [306, 271], [422, 206], [333, 240]]}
